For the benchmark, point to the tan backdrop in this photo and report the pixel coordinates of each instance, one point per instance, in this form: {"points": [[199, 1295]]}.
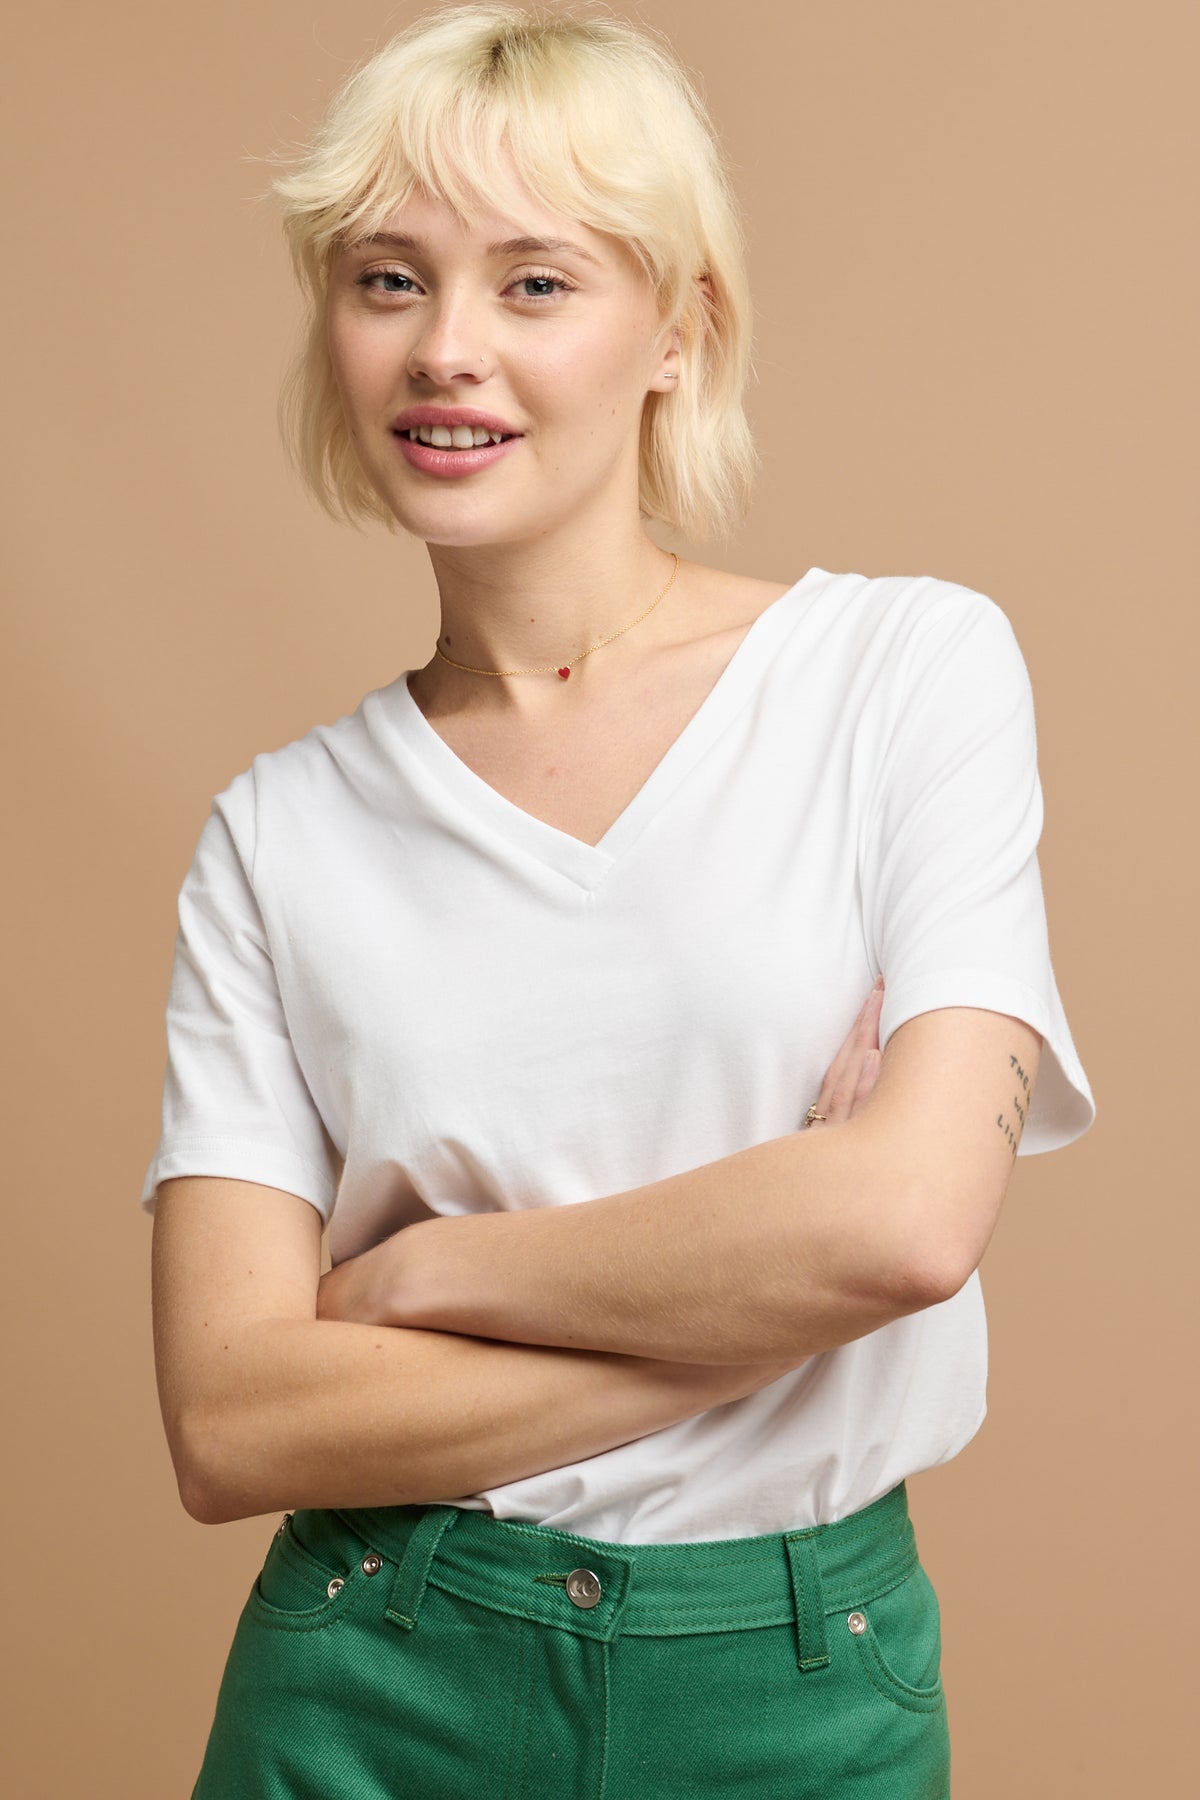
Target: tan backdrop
{"points": [[972, 233]]}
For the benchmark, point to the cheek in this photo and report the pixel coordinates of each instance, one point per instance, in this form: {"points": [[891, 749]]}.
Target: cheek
{"points": [[358, 359], [593, 385]]}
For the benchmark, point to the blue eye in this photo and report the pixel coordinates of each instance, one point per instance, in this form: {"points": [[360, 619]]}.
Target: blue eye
{"points": [[368, 280], [546, 280], [372, 277]]}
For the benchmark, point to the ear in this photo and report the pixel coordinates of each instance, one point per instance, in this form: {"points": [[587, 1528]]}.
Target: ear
{"points": [[669, 364], [669, 374]]}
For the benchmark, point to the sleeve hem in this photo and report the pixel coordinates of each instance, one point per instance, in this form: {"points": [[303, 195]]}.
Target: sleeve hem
{"points": [[1063, 1107], [240, 1160]]}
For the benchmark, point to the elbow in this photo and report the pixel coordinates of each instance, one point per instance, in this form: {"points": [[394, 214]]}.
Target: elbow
{"points": [[928, 1275], [195, 1476], [192, 1481], [198, 1504], [215, 1488], [936, 1255]]}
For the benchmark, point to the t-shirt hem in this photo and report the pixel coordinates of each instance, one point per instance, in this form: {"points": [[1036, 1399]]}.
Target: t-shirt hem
{"points": [[240, 1160], [1062, 1108]]}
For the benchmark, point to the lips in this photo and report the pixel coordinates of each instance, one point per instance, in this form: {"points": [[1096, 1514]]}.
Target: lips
{"points": [[448, 464]]}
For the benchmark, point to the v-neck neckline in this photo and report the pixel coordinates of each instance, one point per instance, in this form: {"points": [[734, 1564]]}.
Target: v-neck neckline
{"points": [[581, 862]]}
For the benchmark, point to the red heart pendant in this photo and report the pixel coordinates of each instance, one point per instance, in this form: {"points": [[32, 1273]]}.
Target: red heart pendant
{"points": [[563, 674]]}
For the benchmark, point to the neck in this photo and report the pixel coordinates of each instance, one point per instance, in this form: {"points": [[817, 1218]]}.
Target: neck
{"points": [[522, 606]]}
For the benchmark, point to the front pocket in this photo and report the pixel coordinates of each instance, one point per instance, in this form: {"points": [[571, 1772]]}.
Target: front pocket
{"points": [[899, 1642], [298, 1590]]}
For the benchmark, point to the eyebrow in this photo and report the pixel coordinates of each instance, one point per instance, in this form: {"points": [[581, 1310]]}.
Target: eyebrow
{"points": [[519, 246]]}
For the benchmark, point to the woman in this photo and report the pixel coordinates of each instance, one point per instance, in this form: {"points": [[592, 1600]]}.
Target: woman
{"points": [[603, 1497]]}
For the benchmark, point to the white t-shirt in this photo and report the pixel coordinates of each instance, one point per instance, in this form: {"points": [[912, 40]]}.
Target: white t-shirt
{"points": [[395, 993]]}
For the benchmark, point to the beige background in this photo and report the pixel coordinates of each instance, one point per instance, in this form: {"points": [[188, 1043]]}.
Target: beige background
{"points": [[972, 233]]}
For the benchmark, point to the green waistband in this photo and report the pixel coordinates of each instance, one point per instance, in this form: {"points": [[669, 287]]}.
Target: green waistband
{"points": [[645, 1589]]}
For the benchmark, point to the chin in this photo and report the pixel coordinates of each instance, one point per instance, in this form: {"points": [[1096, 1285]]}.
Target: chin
{"points": [[464, 534], [459, 524]]}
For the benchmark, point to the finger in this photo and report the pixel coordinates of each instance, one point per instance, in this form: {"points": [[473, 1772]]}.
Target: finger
{"points": [[867, 1023], [862, 1033], [847, 1076], [868, 1076], [840, 1098], [829, 1087], [838, 1089]]}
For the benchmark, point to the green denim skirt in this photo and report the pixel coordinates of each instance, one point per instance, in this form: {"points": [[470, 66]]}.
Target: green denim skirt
{"points": [[435, 1653]]}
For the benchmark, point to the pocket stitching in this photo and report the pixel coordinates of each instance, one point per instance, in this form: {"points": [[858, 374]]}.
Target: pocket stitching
{"points": [[889, 1684], [328, 1610], [318, 1618]]}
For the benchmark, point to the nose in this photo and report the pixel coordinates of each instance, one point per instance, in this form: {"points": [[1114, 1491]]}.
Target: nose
{"points": [[449, 347]]}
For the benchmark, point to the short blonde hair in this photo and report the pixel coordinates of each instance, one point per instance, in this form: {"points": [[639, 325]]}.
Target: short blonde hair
{"points": [[605, 127]]}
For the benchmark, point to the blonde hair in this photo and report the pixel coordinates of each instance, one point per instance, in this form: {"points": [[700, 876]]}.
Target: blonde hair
{"points": [[603, 126]]}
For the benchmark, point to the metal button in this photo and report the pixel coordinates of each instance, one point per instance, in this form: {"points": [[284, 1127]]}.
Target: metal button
{"points": [[372, 1564], [335, 1586], [857, 1623], [583, 1588], [283, 1524]]}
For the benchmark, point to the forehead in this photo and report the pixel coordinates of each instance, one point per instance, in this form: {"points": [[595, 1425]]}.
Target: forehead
{"points": [[521, 225], [483, 198]]}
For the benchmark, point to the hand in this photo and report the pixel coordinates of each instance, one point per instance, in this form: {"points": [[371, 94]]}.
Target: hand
{"points": [[851, 1076], [359, 1289]]}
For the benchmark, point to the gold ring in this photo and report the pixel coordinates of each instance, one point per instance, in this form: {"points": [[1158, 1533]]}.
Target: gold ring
{"points": [[812, 1114]]}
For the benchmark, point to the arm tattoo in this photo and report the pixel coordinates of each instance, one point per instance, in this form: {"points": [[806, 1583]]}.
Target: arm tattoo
{"points": [[1020, 1105]]}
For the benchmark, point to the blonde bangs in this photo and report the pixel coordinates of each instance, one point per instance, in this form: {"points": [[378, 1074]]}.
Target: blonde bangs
{"points": [[600, 125]]}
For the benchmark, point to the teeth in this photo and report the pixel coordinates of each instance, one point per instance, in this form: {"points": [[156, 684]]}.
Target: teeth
{"points": [[457, 437]]}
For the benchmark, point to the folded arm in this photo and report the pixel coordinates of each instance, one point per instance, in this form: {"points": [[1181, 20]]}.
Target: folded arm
{"points": [[267, 1407], [783, 1250]]}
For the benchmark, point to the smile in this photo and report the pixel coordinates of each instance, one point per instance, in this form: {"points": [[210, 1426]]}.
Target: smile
{"points": [[477, 448], [457, 437]]}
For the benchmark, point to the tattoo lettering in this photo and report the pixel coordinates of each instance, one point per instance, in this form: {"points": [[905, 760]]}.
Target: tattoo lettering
{"points": [[1020, 1104]]}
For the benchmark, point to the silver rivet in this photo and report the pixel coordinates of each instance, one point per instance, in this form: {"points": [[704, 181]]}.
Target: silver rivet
{"points": [[857, 1623], [335, 1586], [372, 1564], [583, 1588]]}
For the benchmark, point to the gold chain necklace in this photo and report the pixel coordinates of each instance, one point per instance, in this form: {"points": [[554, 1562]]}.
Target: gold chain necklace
{"points": [[564, 670]]}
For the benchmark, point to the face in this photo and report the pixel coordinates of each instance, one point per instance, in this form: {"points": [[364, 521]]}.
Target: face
{"points": [[558, 346]]}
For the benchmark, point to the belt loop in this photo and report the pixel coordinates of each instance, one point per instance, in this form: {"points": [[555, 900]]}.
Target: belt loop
{"points": [[812, 1647], [404, 1602]]}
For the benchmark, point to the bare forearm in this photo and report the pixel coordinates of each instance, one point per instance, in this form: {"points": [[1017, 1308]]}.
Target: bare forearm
{"points": [[785, 1249], [332, 1413]]}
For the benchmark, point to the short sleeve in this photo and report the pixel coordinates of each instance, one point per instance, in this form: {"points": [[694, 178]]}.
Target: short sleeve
{"points": [[952, 889], [235, 1101]]}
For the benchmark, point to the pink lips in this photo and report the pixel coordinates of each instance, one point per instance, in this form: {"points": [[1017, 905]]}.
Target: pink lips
{"points": [[432, 461]]}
